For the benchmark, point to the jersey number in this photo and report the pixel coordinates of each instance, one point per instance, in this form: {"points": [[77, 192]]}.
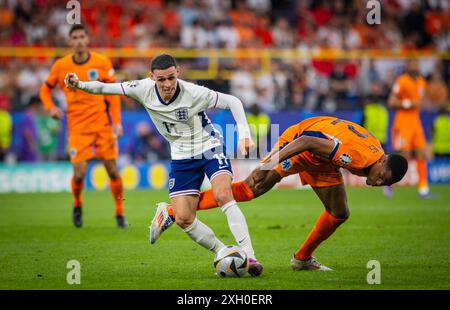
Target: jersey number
{"points": [[351, 128], [221, 158], [170, 127]]}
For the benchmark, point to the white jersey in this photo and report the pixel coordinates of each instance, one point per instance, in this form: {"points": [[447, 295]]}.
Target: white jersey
{"points": [[182, 121]]}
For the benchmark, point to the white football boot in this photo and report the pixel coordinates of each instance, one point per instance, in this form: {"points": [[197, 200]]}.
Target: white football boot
{"points": [[309, 264], [161, 222]]}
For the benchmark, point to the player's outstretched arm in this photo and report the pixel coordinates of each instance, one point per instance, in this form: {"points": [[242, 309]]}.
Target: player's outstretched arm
{"points": [[71, 80], [45, 94], [225, 101], [317, 146]]}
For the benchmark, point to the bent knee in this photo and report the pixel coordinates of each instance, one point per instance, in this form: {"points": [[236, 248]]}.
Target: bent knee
{"points": [[78, 178], [223, 196], [184, 221], [114, 175], [341, 214]]}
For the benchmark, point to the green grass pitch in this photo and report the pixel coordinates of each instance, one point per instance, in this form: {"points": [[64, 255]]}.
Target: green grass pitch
{"points": [[409, 237]]}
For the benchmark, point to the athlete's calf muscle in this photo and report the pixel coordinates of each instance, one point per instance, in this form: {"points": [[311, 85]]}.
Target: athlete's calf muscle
{"points": [[261, 181]]}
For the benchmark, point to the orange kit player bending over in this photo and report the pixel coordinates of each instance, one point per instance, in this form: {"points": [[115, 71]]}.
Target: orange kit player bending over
{"points": [[315, 149], [93, 121], [407, 133]]}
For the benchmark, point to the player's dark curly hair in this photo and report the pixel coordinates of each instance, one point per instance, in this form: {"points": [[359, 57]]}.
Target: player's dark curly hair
{"points": [[162, 62], [76, 27], [398, 165]]}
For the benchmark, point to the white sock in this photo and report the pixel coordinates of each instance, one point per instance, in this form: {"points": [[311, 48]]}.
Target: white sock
{"points": [[204, 236], [238, 226]]}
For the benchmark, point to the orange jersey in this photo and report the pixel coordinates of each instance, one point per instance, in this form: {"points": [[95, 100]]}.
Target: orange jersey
{"points": [[356, 147], [85, 112], [407, 132], [406, 87]]}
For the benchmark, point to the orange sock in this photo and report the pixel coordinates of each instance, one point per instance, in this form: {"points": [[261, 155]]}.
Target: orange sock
{"points": [[207, 200], [77, 189], [422, 171], [241, 192], [325, 226], [117, 192]]}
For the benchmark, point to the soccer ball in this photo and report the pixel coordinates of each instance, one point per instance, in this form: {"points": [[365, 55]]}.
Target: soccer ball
{"points": [[231, 261]]}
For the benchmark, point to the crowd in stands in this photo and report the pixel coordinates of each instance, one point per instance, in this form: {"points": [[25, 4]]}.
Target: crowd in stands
{"points": [[230, 23], [290, 84]]}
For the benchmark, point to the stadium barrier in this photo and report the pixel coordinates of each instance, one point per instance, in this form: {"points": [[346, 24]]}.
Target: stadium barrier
{"points": [[211, 59], [220, 119], [55, 177]]}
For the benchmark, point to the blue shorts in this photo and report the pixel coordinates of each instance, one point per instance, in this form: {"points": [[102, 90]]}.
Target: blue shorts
{"points": [[186, 175]]}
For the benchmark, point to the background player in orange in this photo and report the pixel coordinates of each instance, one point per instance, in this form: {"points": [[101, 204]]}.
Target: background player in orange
{"points": [[407, 134], [315, 149], [93, 121]]}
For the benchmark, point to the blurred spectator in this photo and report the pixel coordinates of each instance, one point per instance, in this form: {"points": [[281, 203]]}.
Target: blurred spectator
{"points": [[219, 84], [280, 83], [441, 134], [215, 9], [367, 77], [376, 115], [194, 35], [7, 15], [310, 26], [171, 19], [227, 35], [243, 85], [24, 10], [188, 12], [242, 14], [436, 95], [259, 123], [47, 134], [37, 29], [297, 87], [351, 37], [259, 6], [388, 36], [5, 131], [271, 88], [283, 37], [340, 83], [332, 34], [29, 80], [28, 135], [8, 87], [414, 25], [321, 12], [263, 32], [147, 145], [122, 23]]}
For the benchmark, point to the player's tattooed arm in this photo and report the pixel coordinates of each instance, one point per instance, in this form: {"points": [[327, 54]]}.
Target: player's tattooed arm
{"points": [[318, 146]]}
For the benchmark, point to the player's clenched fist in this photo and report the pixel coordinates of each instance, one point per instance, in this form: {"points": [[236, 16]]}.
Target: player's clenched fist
{"points": [[56, 113], [71, 80]]}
